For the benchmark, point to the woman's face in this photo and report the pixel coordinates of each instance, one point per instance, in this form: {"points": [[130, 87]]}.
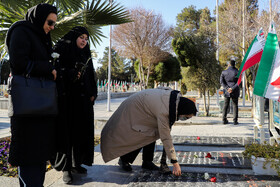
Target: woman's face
{"points": [[82, 41], [50, 22]]}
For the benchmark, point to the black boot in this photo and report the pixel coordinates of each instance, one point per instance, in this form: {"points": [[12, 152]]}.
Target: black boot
{"points": [[67, 177], [79, 170], [225, 121], [149, 165], [125, 165]]}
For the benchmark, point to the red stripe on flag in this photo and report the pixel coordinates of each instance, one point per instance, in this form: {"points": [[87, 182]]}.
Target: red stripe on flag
{"points": [[239, 78], [276, 83], [249, 63]]}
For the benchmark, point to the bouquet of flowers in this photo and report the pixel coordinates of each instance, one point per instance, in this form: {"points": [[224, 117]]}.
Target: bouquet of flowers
{"points": [[81, 67]]}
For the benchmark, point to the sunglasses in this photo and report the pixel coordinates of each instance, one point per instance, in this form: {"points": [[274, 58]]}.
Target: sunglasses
{"points": [[51, 23]]}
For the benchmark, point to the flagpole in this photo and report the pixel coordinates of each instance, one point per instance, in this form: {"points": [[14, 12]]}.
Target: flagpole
{"points": [[243, 74], [217, 28], [109, 67], [270, 7]]}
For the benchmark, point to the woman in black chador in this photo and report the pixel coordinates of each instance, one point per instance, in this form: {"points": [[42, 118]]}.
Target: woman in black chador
{"points": [[77, 92], [29, 42]]}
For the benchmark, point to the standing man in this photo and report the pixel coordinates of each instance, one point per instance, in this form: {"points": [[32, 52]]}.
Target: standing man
{"points": [[228, 80]]}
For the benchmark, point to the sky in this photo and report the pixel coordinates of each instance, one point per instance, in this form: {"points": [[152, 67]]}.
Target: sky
{"points": [[169, 9]]}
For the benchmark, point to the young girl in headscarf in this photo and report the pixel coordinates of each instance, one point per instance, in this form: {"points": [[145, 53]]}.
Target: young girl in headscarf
{"points": [[77, 92], [32, 144]]}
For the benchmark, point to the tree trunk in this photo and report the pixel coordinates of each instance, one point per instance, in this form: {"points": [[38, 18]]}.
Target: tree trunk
{"points": [[253, 70], [148, 75], [204, 102], [139, 73], [208, 107], [155, 84], [143, 77], [200, 94], [247, 88]]}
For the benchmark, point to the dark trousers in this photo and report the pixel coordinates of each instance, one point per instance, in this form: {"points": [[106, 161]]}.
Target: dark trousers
{"points": [[148, 154], [235, 108], [32, 176]]}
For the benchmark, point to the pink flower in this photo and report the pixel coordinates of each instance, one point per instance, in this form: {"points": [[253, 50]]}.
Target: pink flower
{"points": [[198, 138]]}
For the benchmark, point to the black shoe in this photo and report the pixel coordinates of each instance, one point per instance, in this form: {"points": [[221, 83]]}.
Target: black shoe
{"points": [[79, 169], [125, 165], [67, 177], [149, 165], [235, 123], [225, 121], [164, 169]]}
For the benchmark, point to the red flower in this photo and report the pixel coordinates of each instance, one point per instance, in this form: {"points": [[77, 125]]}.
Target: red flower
{"points": [[198, 138], [208, 155], [213, 179]]}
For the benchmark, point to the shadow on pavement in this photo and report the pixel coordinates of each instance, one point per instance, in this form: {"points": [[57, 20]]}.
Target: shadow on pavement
{"points": [[4, 125]]}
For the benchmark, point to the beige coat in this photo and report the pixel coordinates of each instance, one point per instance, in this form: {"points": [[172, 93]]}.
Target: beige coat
{"points": [[140, 120]]}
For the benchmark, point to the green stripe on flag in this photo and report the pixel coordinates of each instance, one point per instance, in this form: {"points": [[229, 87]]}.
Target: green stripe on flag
{"points": [[266, 65]]}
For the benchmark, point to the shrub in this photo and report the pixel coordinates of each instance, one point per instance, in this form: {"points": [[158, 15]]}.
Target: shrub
{"points": [[5, 168], [269, 152]]}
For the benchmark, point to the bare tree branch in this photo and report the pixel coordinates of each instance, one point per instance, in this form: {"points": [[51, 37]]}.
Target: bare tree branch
{"points": [[146, 38]]}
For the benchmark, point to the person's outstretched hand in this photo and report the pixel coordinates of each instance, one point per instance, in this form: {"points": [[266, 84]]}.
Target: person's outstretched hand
{"points": [[176, 169]]}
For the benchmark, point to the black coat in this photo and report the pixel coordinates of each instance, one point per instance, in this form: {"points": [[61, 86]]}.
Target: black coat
{"points": [[76, 121], [32, 138], [228, 80]]}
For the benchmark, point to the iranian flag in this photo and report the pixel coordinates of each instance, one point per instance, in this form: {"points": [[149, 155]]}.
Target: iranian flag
{"points": [[253, 54], [268, 71], [276, 73]]}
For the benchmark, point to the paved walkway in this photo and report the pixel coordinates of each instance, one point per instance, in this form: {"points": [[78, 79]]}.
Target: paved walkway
{"points": [[100, 113], [4, 124], [109, 174]]}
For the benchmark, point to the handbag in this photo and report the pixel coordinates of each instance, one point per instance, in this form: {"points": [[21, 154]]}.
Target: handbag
{"points": [[31, 96]]}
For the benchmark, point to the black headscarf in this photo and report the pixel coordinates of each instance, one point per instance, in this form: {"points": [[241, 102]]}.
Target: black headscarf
{"points": [[70, 38], [186, 106], [78, 30], [35, 19], [38, 14], [172, 107]]}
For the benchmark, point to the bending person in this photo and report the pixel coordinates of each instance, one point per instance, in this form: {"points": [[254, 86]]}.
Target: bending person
{"points": [[77, 92], [139, 121]]}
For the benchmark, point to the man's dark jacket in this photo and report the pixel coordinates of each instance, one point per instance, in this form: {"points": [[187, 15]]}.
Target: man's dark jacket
{"points": [[228, 80]]}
